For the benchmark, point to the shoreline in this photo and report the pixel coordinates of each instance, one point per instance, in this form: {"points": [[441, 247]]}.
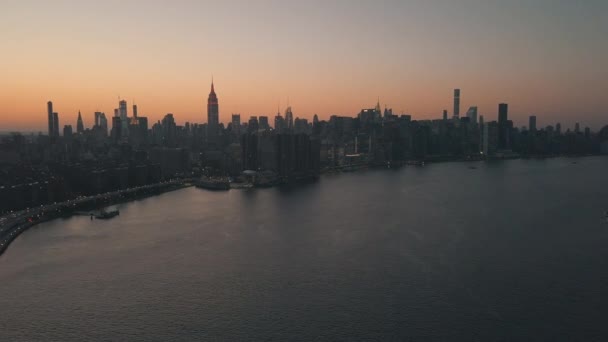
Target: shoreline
{"points": [[13, 225]]}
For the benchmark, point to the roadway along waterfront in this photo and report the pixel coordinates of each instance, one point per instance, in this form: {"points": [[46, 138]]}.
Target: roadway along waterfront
{"points": [[13, 224]]}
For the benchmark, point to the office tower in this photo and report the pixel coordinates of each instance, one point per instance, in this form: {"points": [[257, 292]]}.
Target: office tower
{"points": [[503, 126], [289, 118], [481, 122], [103, 123], [122, 109], [532, 123], [122, 112], [67, 131], [116, 128], [315, 119], [445, 114], [279, 123], [558, 128], [169, 130], [577, 128], [236, 124], [212, 113], [97, 119], [253, 124], [456, 103], [263, 121], [79, 124], [472, 115], [300, 125], [49, 107], [503, 113], [55, 124], [134, 110]]}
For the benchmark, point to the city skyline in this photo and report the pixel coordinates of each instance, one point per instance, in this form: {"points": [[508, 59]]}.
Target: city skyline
{"points": [[328, 60]]}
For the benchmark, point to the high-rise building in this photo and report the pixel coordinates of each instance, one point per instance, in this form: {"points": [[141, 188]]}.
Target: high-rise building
{"points": [[263, 121], [472, 114], [49, 107], [236, 124], [97, 118], [122, 109], [289, 118], [503, 126], [212, 113], [103, 123], [503, 113], [253, 124], [456, 103], [577, 128], [67, 131], [279, 123], [445, 115], [79, 124], [532, 123], [55, 124], [558, 128], [134, 110]]}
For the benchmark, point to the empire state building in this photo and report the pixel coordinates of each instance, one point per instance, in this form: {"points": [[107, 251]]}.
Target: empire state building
{"points": [[212, 113]]}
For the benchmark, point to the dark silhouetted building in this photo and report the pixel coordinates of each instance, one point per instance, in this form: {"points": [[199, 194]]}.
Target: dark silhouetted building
{"points": [[532, 123], [79, 124], [456, 103], [212, 114], [49, 107], [503, 126], [472, 114]]}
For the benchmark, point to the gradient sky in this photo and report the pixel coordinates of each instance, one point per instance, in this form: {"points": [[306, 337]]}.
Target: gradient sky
{"points": [[543, 57]]}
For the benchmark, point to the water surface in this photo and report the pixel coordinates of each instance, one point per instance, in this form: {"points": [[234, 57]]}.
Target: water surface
{"points": [[513, 250]]}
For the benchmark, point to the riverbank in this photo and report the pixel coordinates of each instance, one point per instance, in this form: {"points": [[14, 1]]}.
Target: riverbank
{"points": [[12, 225]]}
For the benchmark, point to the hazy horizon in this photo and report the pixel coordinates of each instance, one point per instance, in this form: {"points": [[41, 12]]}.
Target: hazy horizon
{"points": [[543, 58]]}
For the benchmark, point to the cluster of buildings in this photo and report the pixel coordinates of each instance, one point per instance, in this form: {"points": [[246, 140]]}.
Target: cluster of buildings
{"points": [[126, 151]]}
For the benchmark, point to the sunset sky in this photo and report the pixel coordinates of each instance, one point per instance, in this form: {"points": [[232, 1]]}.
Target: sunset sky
{"points": [[543, 57]]}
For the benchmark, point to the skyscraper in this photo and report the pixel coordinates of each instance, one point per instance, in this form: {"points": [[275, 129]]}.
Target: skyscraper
{"points": [[67, 131], [289, 118], [456, 103], [532, 123], [236, 124], [445, 114], [79, 124], [212, 113], [124, 121], [49, 107], [55, 124], [103, 123], [263, 121], [472, 114], [122, 109], [503, 126], [503, 113], [134, 110]]}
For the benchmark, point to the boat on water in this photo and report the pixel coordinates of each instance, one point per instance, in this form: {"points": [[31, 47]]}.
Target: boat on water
{"points": [[104, 214], [213, 184]]}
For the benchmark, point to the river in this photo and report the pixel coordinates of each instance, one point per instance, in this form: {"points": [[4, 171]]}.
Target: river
{"points": [[507, 251]]}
